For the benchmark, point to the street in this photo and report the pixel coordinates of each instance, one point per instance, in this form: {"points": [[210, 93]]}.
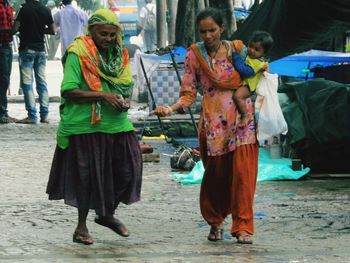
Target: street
{"points": [[302, 221]]}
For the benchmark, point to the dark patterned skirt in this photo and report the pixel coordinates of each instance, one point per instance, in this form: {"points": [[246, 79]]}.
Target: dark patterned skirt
{"points": [[97, 171]]}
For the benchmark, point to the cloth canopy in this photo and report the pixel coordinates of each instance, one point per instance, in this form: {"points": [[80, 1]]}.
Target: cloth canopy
{"points": [[297, 25], [295, 65]]}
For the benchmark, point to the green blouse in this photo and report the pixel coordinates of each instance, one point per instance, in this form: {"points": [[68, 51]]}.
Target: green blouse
{"points": [[76, 117]]}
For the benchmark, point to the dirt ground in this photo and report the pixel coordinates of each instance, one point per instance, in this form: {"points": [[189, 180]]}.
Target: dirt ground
{"points": [[302, 221]]}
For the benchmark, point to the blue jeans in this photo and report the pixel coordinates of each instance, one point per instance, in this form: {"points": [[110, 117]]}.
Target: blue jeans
{"points": [[5, 72], [29, 61]]}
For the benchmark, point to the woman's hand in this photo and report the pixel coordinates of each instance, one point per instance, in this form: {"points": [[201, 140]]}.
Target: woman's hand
{"points": [[266, 67], [162, 111], [115, 100], [126, 104]]}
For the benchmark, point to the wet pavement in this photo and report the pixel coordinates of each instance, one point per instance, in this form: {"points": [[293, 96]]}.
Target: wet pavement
{"points": [[303, 221]]}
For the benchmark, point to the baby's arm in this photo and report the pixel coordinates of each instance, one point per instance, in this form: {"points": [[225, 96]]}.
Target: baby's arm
{"points": [[245, 70]]}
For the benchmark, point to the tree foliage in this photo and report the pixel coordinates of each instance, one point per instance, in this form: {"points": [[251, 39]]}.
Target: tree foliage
{"points": [[347, 47], [89, 5], [16, 4]]}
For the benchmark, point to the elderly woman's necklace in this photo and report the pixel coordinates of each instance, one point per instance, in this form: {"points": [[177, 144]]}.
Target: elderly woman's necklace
{"points": [[213, 60]]}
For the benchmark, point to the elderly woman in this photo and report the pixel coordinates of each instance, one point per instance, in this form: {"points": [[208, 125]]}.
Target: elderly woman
{"points": [[97, 162]]}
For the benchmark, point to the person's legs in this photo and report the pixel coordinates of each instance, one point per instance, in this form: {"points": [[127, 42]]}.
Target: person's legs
{"points": [[54, 41], [245, 170], [5, 72], [26, 63], [153, 36], [50, 52], [57, 39], [41, 85], [81, 233], [148, 40], [215, 193], [82, 215], [124, 164]]}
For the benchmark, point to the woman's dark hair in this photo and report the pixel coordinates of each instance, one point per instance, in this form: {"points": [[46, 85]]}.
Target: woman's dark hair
{"points": [[214, 13], [264, 38]]}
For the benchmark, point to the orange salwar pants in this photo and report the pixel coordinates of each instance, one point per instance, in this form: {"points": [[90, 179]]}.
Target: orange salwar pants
{"points": [[228, 187]]}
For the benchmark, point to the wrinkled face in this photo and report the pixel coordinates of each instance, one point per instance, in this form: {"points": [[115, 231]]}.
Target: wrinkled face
{"points": [[104, 36], [210, 32], [255, 50]]}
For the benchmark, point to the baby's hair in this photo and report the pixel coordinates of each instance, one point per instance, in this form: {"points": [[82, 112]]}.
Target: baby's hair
{"points": [[264, 38], [214, 13]]}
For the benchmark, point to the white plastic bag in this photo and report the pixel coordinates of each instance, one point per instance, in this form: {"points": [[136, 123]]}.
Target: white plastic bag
{"points": [[270, 117]]}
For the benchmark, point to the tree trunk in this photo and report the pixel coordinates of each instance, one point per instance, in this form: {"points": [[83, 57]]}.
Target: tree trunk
{"points": [[172, 8], [199, 6], [161, 21], [226, 7], [185, 26], [186, 17]]}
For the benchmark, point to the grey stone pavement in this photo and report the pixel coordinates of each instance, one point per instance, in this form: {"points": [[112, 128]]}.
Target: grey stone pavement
{"points": [[296, 221]]}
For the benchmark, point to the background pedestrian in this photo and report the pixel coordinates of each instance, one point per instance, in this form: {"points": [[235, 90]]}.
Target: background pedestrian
{"points": [[54, 40], [71, 22], [6, 23], [148, 25], [33, 21], [112, 5]]}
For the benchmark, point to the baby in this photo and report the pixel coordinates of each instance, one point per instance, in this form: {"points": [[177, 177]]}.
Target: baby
{"points": [[251, 68]]}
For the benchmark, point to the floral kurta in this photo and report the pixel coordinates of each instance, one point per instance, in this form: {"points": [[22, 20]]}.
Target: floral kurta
{"points": [[219, 117]]}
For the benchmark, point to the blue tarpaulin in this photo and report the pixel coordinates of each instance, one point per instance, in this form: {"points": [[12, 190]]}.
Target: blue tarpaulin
{"points": [[297, 65]]}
